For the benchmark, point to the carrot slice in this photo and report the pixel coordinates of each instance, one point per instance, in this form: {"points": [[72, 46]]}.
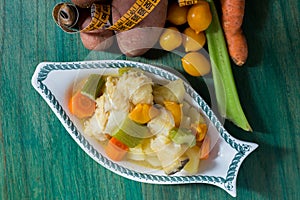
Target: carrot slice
{"points": [[115, 149], [140, 113], [199, 130], [175, 109], [205, 148], [81, 106]]}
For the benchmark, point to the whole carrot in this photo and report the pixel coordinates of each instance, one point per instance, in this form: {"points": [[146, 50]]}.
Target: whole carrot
{"points": [[232, 19]]}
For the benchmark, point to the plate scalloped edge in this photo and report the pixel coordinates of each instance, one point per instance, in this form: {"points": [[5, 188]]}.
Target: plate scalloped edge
{"points": [[228, 182]]}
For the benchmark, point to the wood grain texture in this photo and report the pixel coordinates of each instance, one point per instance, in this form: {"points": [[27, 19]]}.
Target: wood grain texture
{"points": [[39, 160]]}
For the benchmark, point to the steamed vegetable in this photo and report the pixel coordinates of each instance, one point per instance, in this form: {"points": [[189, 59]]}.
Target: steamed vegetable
{"points": [[175, 109], [169, 154], [182, 136], [200, 130], [115, 149], [81, 106], [130, 133], [140, 113], [161, 124], [93, 86], [138, 89], [150, 154], [156, 135], [176, 166], [205, 148], [173, 91], [227, 97], [192, 167], [136, 153]]}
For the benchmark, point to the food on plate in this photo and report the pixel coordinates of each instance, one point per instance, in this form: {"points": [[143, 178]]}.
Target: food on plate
{"points": [[115, 149], [196, 64], [205, 147], [92, 88], [232, 19], [170, 39], [139, 120], [227, 97], [175, 109], [81, 106], [172, 91], [192, 154]]}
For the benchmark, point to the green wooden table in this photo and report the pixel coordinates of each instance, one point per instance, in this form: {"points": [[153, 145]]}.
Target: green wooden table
{"points": [[39, 160]]}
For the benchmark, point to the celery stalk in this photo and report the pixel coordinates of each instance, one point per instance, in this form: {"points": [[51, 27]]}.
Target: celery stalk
{"points": [[93, 85], [130, 133], [227, 97]]}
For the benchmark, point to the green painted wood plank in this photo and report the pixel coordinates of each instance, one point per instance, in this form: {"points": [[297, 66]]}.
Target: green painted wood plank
{"points": [[3, 186]]}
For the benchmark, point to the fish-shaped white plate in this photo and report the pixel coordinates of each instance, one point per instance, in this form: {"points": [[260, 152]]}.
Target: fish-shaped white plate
{"points": [[53, 82]]}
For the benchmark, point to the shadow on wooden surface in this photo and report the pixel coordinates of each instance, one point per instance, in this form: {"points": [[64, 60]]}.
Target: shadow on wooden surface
{"points": [[254, 21], [260, 171]]}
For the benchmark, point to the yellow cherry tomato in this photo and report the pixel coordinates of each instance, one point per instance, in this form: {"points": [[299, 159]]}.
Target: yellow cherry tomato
{"points": [[195, 64], [170, 39], [199, 16], [177, 15], [193, 41]]}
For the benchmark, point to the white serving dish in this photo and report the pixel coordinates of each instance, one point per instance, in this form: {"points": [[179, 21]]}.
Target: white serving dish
{"points": [[53, 82]]}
